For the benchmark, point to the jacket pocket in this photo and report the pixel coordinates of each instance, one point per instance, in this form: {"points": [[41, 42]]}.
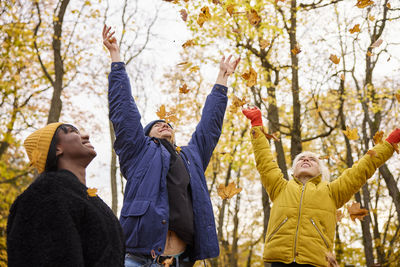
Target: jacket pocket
{"points": [[135, 208], [277, 229], [319, 232]]}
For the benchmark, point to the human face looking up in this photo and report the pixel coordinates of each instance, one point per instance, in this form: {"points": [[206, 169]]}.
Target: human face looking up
{"points": [[162, 130], [306, 167]]}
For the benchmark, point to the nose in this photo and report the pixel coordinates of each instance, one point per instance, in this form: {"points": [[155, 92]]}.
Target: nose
{"points": [[85, 136]]}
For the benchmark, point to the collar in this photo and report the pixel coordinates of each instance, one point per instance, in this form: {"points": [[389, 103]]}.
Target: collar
{"points": [[315, 180]]}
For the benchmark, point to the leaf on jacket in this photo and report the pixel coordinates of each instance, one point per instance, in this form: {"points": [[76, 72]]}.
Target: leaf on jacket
{"points": [[296, 50], [264, 43], [334, 59], [188, 43], [167, 116], [364, 3], [331, 259], [378, 137], [339, 215], [184, 89], [377, 43], [237, 103], [372, 153], [178, 149], [184, 14], [92, 192], [356, 28], [227, 192], [351, 134], [253, 17], [250, 77], [203, 16], [269, 136], [356, 212], [168, 262]]}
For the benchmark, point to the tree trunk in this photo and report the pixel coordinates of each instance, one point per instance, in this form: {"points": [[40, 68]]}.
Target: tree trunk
{"points": [[113, 172]]}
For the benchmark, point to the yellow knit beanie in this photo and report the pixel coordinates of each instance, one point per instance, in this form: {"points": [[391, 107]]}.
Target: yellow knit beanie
{"points": [[38, 143]]}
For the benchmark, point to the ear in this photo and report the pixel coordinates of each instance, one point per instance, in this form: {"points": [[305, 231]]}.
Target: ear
{"points": [[59, 150]]}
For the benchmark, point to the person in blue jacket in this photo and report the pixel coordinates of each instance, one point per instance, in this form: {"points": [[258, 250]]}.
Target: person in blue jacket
{"points": [[167, 215]]}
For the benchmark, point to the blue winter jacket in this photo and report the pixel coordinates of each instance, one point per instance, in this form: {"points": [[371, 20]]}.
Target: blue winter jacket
{"points": [[144, 162]]}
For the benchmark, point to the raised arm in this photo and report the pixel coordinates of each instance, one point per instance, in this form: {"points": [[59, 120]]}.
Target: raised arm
{"points": [[124, 113], [352, 179], [208, 131], [271, 175]]}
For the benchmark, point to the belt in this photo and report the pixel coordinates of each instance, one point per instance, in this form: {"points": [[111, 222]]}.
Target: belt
{"points": [[164, 260]]}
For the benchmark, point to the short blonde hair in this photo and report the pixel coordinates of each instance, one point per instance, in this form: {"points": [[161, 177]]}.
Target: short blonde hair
{"points": [[323, 169]]}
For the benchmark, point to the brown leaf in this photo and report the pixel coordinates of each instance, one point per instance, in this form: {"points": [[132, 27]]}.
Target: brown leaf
{"points": [[378, 137], [372, 153], [227, 192], [250, 77], [237, 103], [397, 97], [377, 43], [188, 43], [203, 16], [230, 9], [396, 147], [296, 50], [184, 14], [184, 89], [331, 259], [388, 5], [356, 212], [334, 59], [339, 215], [364, 3], [253, 17], [167, 116]]}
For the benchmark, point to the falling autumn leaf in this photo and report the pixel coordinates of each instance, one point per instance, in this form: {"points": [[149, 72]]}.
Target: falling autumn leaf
{"points": [[364, 3], [188, 43], [182, 63], [184, 89], [377, 43], [388, 5], [371, 18], [217, 2], [296, 50], [184, 14], [356, 212], [331, 259], [269, 136], [397, 97], [324, 157], [372, 153], [339, 215], [334, 59], [369, 54], [230, 9], [92, 192], [237, 103], [264, 43], [356, 28], [253, 17], [203, 16], [351, 134], [227, 192], [167, 116], [250, 77], [378, 137], [194, 69]]}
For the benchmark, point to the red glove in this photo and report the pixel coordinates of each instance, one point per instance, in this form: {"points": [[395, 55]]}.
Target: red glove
{"points": [[254, 114], [394, 137]]}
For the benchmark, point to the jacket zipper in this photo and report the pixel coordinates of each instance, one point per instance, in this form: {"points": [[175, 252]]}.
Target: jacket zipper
{"points": [[319, 232], [276, 229], [298, 222]]}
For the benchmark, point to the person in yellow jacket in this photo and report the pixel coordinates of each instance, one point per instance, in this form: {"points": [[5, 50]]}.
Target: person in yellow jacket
{"points": [[302, 222]]}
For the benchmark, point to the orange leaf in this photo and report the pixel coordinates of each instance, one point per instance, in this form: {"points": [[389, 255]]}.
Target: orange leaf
{"points": [[296, 50], [388, 5], [230, 9], [377, 43], [397, 97], [369, 53], [351, 134], [356, 212], [184, 89], [203, 16], [331, 259], [378, 137], [356, 28], [167, 116], [178, 149], [250, 77], [264, 43], [396, 147], [371, 18], [339, 215], [184, 14], [194, 69], [237, 103], [270, 136], [227, 192], [253, 17], [324, 157], [334, 59], [364, 3], [188, 43], [92, 192], [372, 153]]}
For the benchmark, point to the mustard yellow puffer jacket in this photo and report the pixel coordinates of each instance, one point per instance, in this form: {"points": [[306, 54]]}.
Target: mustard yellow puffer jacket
{"points": [[303, 217]]}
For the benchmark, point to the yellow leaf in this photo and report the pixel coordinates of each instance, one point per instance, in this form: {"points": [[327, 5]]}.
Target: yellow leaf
{"points": [[230, 9], [369, 54], [351, 133], [167, 116], [378, 137], [334, 59], [237, 103], [296, 50], [227, 192], [250, 77], [184, 89], [194, 69], [364, 3], [203, 16], [371, 18], [161, 113], [356, 28], [188, 43], [92, 192], [178, 149], [253, 17], [264, 43], [356, 212], [388, 5]]}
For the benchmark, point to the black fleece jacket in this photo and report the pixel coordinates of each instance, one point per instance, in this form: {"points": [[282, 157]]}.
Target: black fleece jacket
{"points": [[55, 223]]}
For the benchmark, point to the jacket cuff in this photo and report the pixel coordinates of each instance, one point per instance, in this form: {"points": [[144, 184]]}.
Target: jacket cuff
{"points": [[221, 88], [117, 66]]}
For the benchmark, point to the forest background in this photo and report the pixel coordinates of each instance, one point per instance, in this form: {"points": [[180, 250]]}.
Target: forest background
{"points": [[324, 73]]}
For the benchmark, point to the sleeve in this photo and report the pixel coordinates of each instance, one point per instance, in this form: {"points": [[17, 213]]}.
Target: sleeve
{"points": [[271, 175], [42, 235], [352, 179], [208, 130], [125, 117]]}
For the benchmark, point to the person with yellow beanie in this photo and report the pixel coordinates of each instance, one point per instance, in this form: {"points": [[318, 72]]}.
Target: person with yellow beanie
{"points": [[57, 220]]}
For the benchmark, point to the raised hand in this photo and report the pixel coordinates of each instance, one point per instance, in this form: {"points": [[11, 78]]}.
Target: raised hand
{"points": [[226, 68], [394, 137], [254, 115], [111, 43]]}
